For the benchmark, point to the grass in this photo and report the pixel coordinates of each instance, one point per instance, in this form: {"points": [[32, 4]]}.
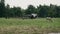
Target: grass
{"points": [[29, 26]]}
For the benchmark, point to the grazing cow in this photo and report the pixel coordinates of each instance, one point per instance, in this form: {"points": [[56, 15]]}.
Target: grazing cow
{"points": [[33, 16], [49, 19], [30, 16]]}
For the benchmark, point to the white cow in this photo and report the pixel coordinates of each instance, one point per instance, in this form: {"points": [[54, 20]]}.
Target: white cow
{"points": [[33, 15], [49, 19]]}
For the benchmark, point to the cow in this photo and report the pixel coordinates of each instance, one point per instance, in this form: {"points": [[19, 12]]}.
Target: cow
{"points": [[30, 16], [49, 19], [33, 16]]}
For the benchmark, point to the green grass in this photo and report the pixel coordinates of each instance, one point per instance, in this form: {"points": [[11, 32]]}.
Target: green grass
{"points": [[28, 26]]}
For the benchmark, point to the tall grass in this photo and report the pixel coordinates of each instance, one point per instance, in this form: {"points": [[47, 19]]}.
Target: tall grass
{"points": [[28, 26]]}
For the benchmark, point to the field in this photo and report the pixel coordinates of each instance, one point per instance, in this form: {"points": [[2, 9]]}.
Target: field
{"points": [[29, 26]]}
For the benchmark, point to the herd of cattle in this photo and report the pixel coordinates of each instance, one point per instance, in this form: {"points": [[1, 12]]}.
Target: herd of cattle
{"points": [[34, 16]]}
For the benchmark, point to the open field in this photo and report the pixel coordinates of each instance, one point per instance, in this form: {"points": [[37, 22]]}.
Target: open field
{"points": [[29, 26]]}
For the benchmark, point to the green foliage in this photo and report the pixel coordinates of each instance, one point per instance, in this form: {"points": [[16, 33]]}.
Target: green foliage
{"points": [[16, 11], [30, 9], [42, 11], [2, 8]]}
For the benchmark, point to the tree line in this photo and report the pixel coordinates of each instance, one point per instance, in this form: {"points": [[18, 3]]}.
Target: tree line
{"points": [[41, 10]]}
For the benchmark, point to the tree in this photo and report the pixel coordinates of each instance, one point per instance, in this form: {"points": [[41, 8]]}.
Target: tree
{"points": [[30, 9], [42, 11], [57, 11], [52, 10], [15, 12], [2, 8], [7, 11]]}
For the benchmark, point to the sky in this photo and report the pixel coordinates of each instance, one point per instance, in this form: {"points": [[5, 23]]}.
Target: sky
{"points": [[24, 3]]}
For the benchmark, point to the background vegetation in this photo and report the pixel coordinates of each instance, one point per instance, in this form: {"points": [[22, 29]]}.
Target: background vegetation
{"points": [[42, 11]]}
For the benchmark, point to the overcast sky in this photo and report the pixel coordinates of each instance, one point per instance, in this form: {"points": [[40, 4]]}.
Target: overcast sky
{"points": [[24, 3]]}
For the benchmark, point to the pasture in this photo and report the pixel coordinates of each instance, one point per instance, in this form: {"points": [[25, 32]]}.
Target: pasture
{"points": [[29, 26]]}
